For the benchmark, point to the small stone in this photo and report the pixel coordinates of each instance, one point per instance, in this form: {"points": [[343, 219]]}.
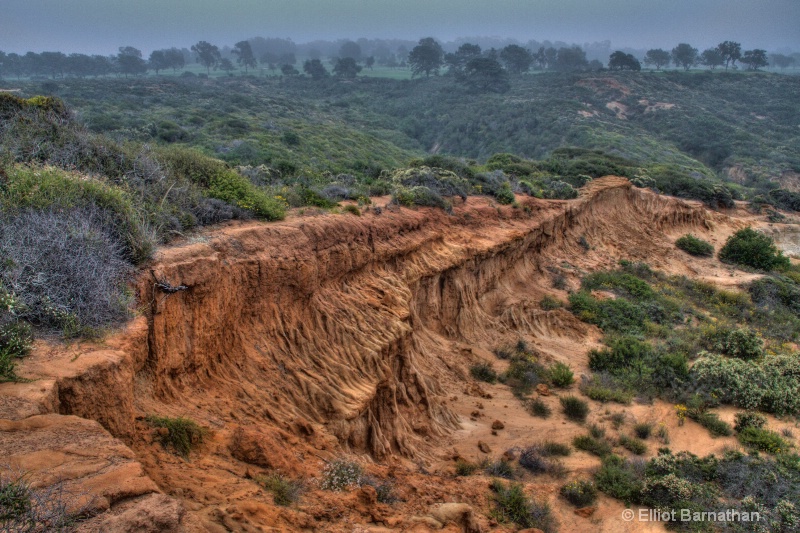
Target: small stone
{"points": [[543, 389], [585, 512], [482, 446], [498, 425], [475, 413], [479, 405], [494, 433]]}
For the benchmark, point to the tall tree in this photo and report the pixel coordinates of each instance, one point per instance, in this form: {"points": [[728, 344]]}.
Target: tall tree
{"points": [[426, 57], [175, 58], [755, 59], [456, 61], [158, 61], [712, 58], [346, 67], [244, 55], [572, 58], [129, 61], [657, 57], [516, 58], [782, 61], [619, 60], [684, 55], [731, 52], [207, 55], [315, 69], [546, 57], [54, 63], [486, 74]]}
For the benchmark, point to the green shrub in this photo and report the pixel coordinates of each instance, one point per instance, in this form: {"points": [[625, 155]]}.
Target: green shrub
{"points": [[694, 246], [743, 343], [619, 479], [748, 419], [500, 468], [643, 429], [712, 422], [538, 460], [340, 474], [748, 247], [182, 434], [593, 445], [537, 407], [623, 353], [633, 445], [483, 372], [763, 440], [352, 209], [549, 303], [601, 393], [580, 493], [561, 375], [574, 408], [512, 505], [284, 491], [505, 195], [551, 448]]}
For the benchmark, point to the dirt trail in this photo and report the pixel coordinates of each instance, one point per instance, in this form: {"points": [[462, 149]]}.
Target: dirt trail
{"points": [[301, 341]]}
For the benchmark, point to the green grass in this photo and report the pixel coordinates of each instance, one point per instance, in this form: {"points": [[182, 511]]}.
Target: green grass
{"points": [[594, 445], [574, 408], [284, 491], [763, 440], [695, 246]]}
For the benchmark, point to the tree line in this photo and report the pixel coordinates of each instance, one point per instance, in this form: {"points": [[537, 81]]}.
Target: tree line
{"points": [[482, 69]]}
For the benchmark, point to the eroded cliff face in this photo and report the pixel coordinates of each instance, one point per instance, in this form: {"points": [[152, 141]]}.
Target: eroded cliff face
{"points": [[347, 322], [335, 332]]}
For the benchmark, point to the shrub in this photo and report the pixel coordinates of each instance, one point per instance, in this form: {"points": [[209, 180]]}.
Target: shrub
{"points": [[483, 372], [561, 375], [352, 209], [465, 468], [662, 434], [743, 343], [750, 248], [549, 303], [748, 419], [623, 353], [694, 246], [538, 408], [25, 508], [633, 445], [763, 440], [643, 429], [500, 468], [712, 422], [579, 493], [284, 491], [512, 505], [601, 393], [550, 448], [341, 474], [537, 460], [182, 434], [574, 408], [619, 479], [593, 445]]}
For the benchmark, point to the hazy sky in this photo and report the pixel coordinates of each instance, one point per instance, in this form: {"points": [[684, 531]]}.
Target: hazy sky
{"points": [[101, 26]]}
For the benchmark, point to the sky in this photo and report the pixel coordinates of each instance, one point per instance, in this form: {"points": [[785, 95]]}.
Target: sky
{"points": [[102, 26]]}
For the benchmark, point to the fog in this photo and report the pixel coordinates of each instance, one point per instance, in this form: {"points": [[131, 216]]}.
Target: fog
{"points": [[101, 26]]}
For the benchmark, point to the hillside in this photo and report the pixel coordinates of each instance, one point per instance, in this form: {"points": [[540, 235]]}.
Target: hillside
{"points": [[335, 337]]}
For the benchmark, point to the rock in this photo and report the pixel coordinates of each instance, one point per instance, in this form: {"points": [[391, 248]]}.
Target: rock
{"points": [[543, 389], [482, 446], [458, 513], [494, 432], [154, 513], [585, 512], [475, 413], [498, 425], [264, 448], [531, 530]]}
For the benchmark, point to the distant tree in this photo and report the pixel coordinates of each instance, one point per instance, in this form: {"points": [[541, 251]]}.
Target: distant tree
{"points": [[619, 60], [351, 50], [315, 69], [546, 58], [271, 60], [712, 58], [287, 58], [314, 53], [684, 55], [426, 57], [456, 61], [369, 62], [595, 65], [731, 52], [102, 65], [176, 58], [569, 59], [226, 65], [13, 65], [79, 65], [657, 57], [486, 74], [207, 55], [129, 61], [755, 59], [2, 63], [781, 61], [158, 61], [289, 71], [244, 55], [54, 63], [346, 67], [516, 58]]}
